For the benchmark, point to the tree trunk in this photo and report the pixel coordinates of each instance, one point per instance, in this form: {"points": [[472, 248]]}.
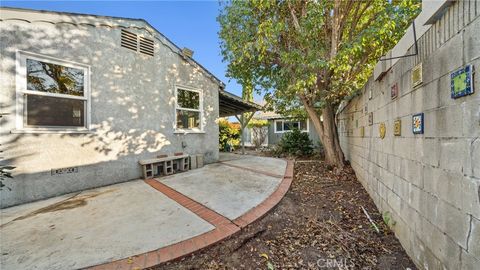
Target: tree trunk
{"points": [[331, 143], [327, 131]]}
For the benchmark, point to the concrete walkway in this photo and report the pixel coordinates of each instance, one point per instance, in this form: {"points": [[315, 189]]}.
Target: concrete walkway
{"points": [[140, 223]]}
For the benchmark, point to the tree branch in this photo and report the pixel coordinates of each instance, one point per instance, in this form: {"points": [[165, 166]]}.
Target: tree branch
{"points": [[294, 17], [356, 18]]}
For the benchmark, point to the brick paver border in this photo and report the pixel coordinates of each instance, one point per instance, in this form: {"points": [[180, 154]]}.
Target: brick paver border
{"points": [[224, 227]]}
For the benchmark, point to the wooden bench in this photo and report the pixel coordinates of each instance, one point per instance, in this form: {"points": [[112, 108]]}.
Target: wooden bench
{"points": [[151, 167]]}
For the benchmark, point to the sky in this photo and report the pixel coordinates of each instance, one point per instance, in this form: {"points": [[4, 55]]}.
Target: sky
{"points": [[190, 24]]}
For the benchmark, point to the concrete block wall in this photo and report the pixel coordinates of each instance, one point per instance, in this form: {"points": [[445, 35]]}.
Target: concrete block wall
{"points": [[429, 184]]}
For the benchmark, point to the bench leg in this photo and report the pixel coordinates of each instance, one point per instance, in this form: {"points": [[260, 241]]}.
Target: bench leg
{"points": [[147, 171], [184, 164], [168, 167]]}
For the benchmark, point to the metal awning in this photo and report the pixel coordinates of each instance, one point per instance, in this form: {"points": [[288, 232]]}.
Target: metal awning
{"points": [[231, 105]]}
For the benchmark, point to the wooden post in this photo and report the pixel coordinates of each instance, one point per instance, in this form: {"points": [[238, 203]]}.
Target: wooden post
{"points": [[242, 130]]}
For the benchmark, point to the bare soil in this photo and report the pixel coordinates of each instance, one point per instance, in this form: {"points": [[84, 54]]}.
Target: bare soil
{"points": [[319, 224]]}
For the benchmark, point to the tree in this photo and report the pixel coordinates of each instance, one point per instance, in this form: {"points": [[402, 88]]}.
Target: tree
{"points": [[259, 130], [307, 56]]}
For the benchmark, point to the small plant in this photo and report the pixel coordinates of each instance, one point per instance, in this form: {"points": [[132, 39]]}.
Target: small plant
{"points": [[4, 174], [388, 220], [295, 143]]}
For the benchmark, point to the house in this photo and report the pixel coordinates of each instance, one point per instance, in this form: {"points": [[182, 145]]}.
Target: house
{"points": [[279, 125], [84, 98]]}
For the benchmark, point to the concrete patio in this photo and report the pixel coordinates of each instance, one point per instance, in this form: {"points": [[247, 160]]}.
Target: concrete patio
{"points": [[105, 225]]}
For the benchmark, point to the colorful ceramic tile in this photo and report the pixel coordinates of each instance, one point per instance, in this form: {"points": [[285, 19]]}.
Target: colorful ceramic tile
{"points": [[370, 118], [382, 130], [417, 75], [462, 82], [362, 131], [417, 123], [394, 91], [397, 127]]}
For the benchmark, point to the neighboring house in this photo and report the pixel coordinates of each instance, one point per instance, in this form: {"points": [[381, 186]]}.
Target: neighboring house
{"points": [[84, 98], [279, 125]]}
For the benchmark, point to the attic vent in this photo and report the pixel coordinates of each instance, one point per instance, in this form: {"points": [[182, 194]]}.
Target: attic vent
{"points": [[139, 44], [187, 52], [129, 40], [146, 46]]}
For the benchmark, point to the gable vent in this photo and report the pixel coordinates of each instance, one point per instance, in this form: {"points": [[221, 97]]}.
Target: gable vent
{"points": [[146, 46], [137, 43], [129, 40]]}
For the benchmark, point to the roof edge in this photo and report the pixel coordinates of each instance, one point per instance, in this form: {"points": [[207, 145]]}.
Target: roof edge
{"points": [[220, 82]]}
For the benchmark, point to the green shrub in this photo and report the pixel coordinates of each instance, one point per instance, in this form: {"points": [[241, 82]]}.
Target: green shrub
{"points": [[228, 133], [319, 151], [295, 143]]}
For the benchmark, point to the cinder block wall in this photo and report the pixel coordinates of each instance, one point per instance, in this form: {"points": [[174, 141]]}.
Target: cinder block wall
{"points": [[427, 184]]}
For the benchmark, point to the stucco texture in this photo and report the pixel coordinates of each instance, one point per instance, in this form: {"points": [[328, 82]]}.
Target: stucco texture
{"points": [[132, 105]]}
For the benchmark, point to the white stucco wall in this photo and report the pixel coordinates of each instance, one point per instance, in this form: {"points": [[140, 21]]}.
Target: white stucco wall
{"points": [[132, 105]]}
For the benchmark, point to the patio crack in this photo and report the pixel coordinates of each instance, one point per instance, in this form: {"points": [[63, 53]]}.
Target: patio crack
{"points": [[252, 170]]}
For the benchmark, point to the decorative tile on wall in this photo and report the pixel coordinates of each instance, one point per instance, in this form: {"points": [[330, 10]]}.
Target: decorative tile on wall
{"points": [[397, 128], [382, 130], [462, 82], [417, 75], [394, 91], [370, 118], [417, 123]]}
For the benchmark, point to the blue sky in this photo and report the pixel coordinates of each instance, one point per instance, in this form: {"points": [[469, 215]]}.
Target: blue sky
{"points": [[189, 24]]}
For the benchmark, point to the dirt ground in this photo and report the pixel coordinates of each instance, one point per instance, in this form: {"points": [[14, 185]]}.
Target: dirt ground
{"points": [[319, 224]]}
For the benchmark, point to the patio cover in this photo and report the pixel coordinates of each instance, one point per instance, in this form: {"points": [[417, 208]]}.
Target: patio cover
{"points": [[232, 105]]}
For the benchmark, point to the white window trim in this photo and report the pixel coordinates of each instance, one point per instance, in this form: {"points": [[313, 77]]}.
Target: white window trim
{"points": [[286, 120], [200, 110], [21, 91]]}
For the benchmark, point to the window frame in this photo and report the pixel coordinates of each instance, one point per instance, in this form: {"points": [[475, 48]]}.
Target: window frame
{"points": [[22, 91], [286, 120], [199, 110]]}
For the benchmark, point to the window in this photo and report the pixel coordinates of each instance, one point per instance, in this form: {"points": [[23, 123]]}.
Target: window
{"points": [[52, 94], [188, 109], [282, 126]]}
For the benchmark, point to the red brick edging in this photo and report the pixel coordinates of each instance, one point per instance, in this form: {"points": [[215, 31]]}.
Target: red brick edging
{"points": [[224, 227]]}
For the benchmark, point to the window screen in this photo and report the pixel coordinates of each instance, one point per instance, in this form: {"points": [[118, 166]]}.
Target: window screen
{"points": [[54, 111], [188, 119]]}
